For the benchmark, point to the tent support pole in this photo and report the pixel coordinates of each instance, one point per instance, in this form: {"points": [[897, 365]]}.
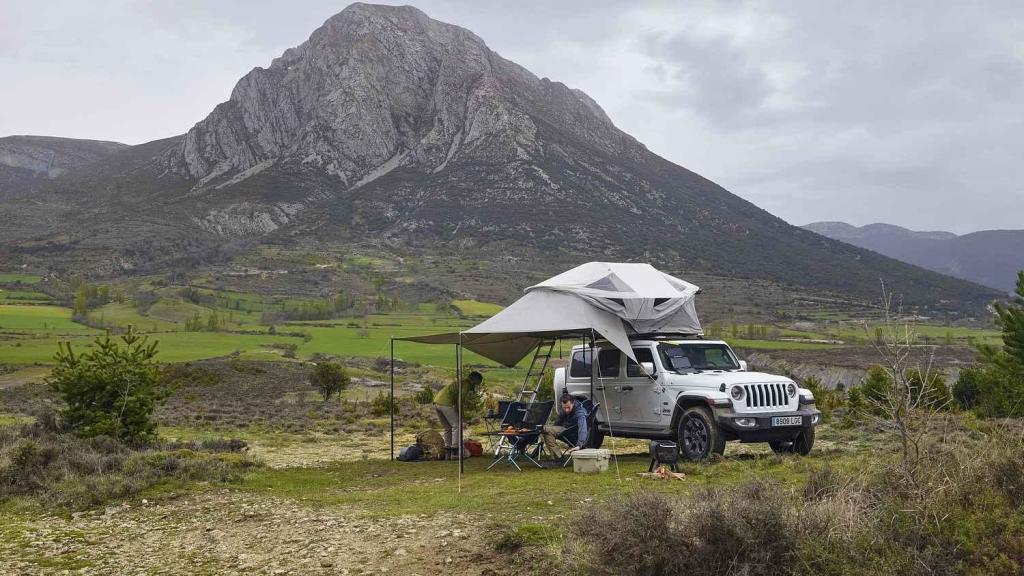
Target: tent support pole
{"points": [[392, 405], [458, 372], [593, 361]]}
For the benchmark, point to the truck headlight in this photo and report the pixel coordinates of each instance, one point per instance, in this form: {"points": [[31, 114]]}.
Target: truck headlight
{"points": [[791, 389], [736, 393]]}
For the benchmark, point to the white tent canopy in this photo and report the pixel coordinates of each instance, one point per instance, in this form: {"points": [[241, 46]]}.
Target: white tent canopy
{"points": [[611, 299]]}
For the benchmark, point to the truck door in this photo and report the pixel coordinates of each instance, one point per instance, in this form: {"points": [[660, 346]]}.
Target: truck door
{"points": [[641, 393], [608, 384]]}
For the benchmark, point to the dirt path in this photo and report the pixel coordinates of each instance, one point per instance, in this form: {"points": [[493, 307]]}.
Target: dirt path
{"points": [[231, 532]]}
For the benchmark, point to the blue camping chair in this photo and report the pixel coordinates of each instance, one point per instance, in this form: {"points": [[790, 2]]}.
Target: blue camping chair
{"points": [[525, 415]]}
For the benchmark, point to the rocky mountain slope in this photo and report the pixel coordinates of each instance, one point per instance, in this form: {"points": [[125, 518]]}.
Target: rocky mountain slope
{"points": [[26, 162], [989, 257], [390, 129]]}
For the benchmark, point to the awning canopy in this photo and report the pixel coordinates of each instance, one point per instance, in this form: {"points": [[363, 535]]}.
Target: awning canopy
{"points": [[612, 299]]}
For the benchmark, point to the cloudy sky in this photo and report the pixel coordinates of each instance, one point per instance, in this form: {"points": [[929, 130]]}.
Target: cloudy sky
{"points": [[903, 112]]}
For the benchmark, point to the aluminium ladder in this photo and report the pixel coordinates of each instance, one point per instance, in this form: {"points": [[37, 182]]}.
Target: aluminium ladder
{"points": [[532, 382]]}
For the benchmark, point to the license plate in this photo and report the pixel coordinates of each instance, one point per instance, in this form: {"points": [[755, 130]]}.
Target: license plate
{"points": [[787, 421]]}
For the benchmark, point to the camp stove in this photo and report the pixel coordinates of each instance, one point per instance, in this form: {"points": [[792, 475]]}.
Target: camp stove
{"points": [[664, 453]]}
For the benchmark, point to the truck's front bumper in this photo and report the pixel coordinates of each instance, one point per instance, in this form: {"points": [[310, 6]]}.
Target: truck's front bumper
{"points": [[758, 427]]}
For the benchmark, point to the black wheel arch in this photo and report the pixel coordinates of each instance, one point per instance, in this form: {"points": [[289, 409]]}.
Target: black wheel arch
{"points": [[685, 402]]}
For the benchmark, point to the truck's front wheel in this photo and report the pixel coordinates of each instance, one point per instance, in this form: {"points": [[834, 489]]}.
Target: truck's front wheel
{"points": [[699, 436]]}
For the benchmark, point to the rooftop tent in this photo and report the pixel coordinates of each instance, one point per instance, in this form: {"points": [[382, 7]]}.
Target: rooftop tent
{"points": [[645, 298]]}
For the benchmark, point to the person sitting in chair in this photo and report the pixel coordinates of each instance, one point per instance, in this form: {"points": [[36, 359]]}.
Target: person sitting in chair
{"points": [[570, 426]]}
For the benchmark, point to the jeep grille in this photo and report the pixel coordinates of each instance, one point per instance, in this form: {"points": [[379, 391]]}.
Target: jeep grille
{"points": [[765, 395]]}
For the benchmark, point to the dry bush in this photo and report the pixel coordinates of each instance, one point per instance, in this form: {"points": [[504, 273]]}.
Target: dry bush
{"points": [[74, 473], [752, 530], [960, 513]]}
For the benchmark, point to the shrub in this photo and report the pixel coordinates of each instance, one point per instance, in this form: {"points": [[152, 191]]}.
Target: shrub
{"points": [[931, 387], [381, 403], [876, 385], [967, 390], [635, 534], [329, 378], [71, 472], [825, 399], [424, 396], [856, 405], [111, 390], [990, 390], [754, 530]]}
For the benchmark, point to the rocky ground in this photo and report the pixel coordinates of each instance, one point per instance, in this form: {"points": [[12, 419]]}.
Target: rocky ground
{"points": [[233, 532]]}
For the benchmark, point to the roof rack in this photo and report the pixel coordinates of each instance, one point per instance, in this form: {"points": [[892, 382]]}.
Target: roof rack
{"points": [[666, 336]]}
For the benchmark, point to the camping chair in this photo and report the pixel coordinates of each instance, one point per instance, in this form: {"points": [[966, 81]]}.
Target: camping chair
{"points": [[512, 414], [535, 415], [569, 437], [495, 422]]}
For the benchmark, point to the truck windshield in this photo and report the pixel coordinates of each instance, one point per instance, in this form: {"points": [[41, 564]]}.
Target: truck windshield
{"points": [[694, 356]]}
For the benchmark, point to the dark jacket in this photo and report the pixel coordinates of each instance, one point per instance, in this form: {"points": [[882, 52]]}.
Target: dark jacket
{"points": [[575, 424]]}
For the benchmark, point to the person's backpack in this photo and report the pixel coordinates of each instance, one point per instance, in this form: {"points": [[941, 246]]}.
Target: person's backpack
{"points": [[410, 453], [432, 444], [475, 449]]}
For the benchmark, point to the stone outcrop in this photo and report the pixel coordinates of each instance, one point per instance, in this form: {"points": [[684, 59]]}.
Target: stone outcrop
{"points": [[379, 87]]}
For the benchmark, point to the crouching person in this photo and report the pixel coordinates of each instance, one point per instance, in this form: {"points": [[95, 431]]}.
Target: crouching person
{"points": [[570, 426], [446, 404]]}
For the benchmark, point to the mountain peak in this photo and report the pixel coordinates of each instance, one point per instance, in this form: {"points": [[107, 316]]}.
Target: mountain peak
{"points": [[380, 87]]}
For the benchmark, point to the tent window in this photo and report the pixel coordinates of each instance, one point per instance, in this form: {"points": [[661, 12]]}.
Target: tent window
{"points": [[642, 355], [660, 301], [608, 363], [618, 301], [603, 284], [580, 366]]}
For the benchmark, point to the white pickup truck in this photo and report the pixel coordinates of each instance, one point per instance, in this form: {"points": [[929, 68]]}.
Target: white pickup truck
{"points": [[694, 392]]}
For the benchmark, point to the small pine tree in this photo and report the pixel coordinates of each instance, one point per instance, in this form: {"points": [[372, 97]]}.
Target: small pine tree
{"points": [[876, 385], [856, 406], [930, 387], [111, 390], [329, 378]]}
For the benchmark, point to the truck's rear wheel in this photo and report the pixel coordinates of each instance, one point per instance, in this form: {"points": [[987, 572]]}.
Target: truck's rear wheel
{"points": [[801, 445], [699, 436]]}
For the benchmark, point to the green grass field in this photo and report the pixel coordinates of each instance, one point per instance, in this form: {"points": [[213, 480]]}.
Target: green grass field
{"points": [[15, 278], [30, 331], [475, 308], [39, 319]]}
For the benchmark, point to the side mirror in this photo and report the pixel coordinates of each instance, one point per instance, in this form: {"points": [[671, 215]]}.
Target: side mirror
{"points": [[743, 365], [648, 368]]}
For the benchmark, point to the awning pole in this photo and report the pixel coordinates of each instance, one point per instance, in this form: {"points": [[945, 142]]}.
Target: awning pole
{"points": [[458, 372], [392, 405], [593, 360]]}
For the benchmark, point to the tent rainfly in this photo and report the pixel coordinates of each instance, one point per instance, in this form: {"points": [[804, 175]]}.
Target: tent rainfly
{"points": [[611, 299]]}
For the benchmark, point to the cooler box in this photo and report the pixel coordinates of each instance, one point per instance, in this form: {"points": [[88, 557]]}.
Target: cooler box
{"points": [[590, 461]]}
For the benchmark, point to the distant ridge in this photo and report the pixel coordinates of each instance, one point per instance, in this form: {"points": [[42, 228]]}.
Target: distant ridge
{"points": [[27, 161], [989, 257]]}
